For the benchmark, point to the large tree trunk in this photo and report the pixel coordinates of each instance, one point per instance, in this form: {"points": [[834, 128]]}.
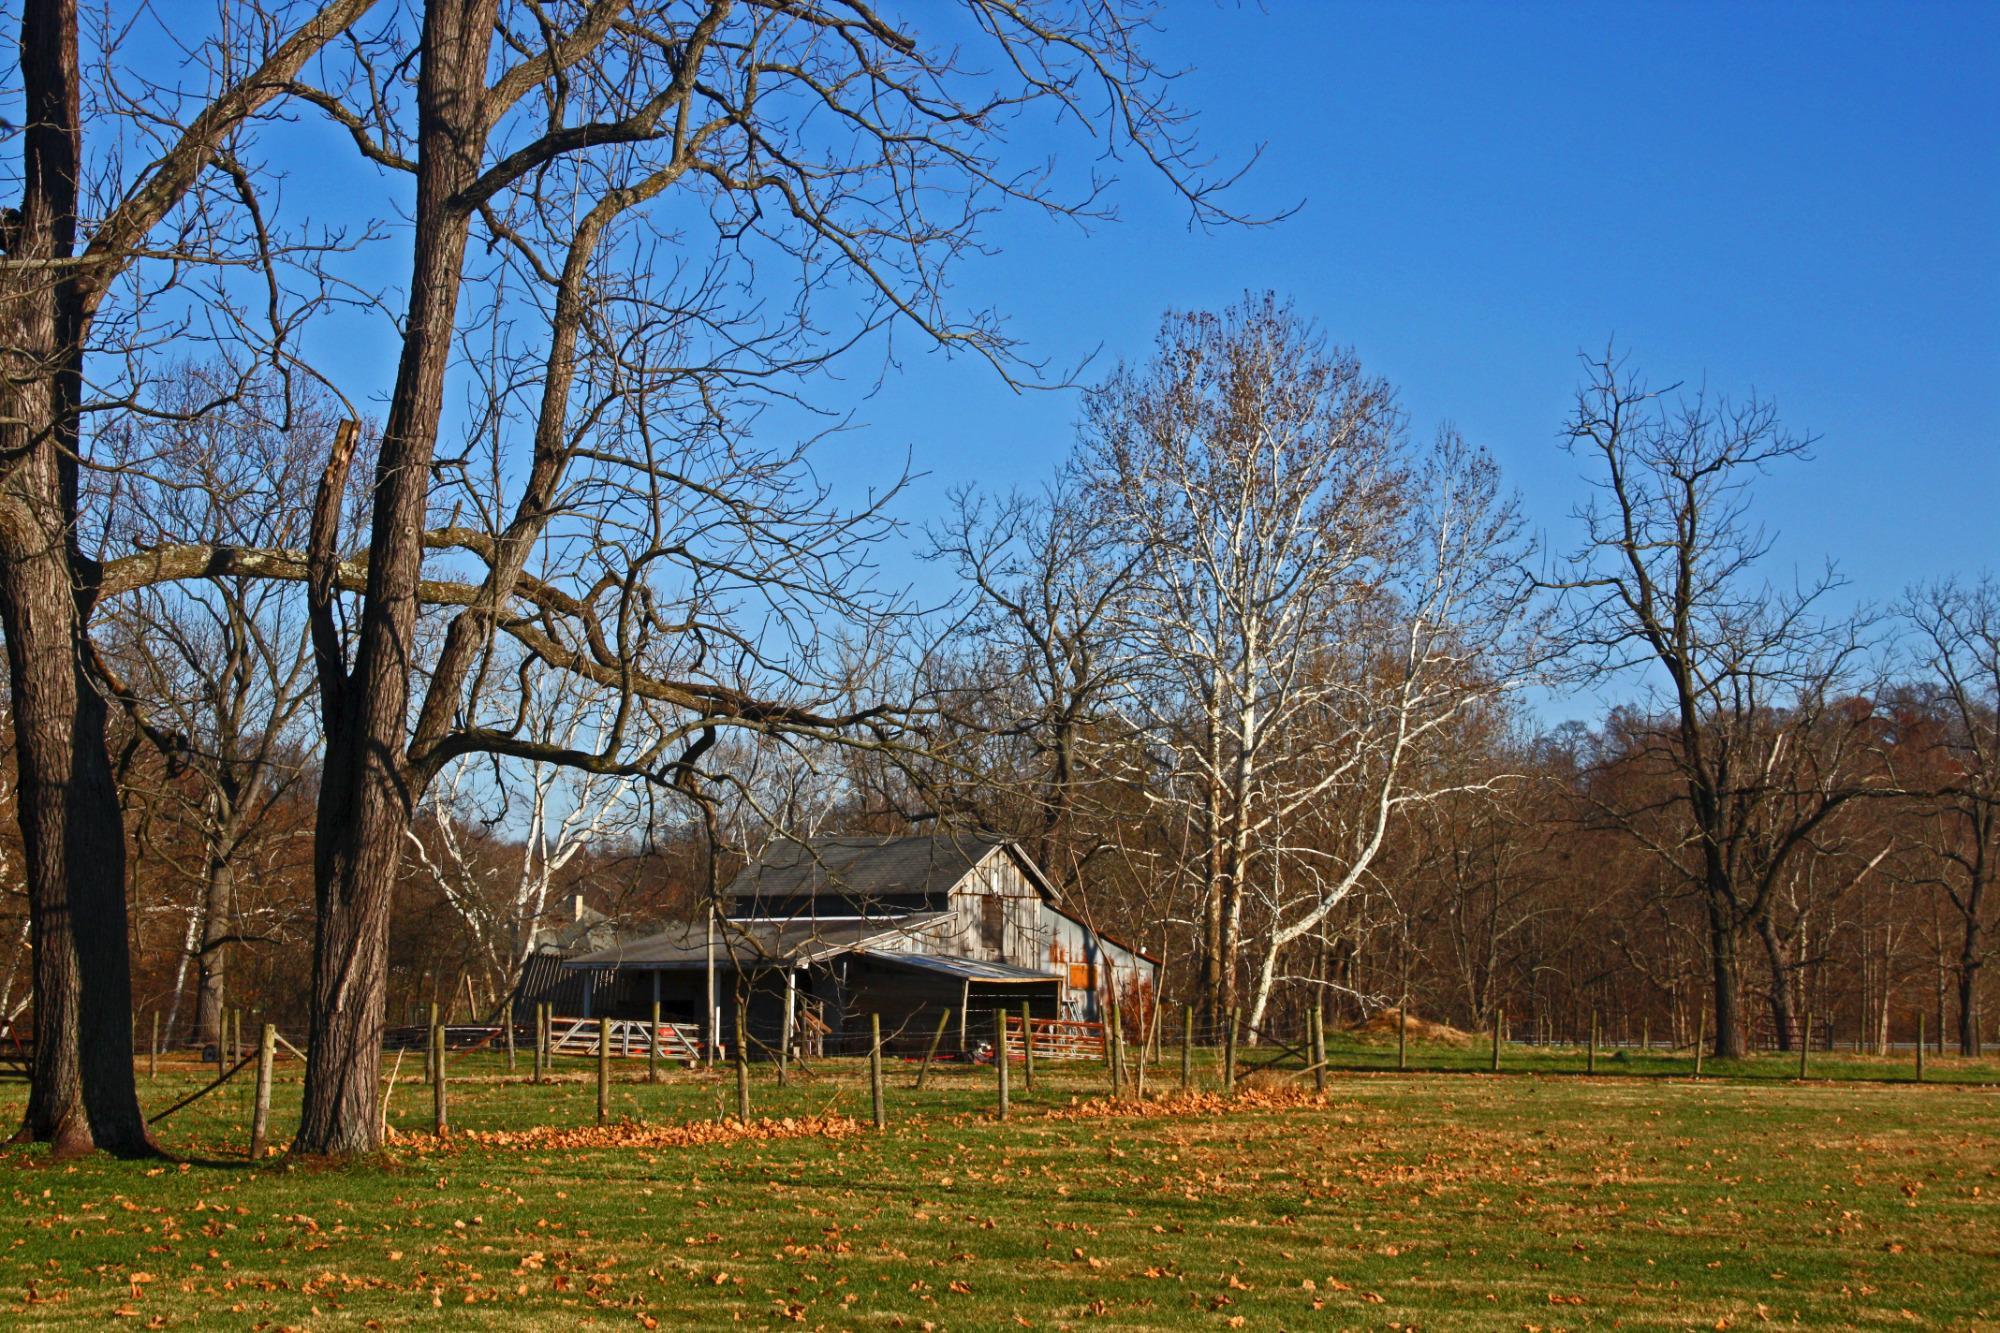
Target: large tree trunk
{"points": [[1727, 983], [218, 916], [82, 1092], [368, 790], [1970, 960], [1779, 954]]}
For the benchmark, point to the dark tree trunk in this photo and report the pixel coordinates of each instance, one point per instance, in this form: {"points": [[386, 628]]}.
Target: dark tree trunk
{"points": [[82, 1091], [1727, 983], [218, 917], [368, 789], [1970, 961], [1779, 954]]}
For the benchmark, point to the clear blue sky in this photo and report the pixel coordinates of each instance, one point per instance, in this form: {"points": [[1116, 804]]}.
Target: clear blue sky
{"points": [[1800, 198], [1803, 199]]}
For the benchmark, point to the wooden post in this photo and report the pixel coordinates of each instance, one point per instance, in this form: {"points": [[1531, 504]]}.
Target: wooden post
{"points": [[875, 1070], [153, 1057], [1805, 1042], [1150, 1019], [742, 1068], [1114, 1051], [1403, 1034], [785, 1037], [260, 1117], [1319, 1045], [440, 1114], [1590, 1052], [1027, 1047], [1920, 1048], [430, 1051], [1498, 1019], [937, 1039], [1000, 1056], [1106, 1026], [1645, 1034], [1187, 1047], [603, 1069], [653, 1045], [1229, 1054], [541, 1044], [1700, 1039], [507, 1023]]}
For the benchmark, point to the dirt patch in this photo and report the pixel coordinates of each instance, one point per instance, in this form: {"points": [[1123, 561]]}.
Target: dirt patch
{"points": [[1381, 1026]]}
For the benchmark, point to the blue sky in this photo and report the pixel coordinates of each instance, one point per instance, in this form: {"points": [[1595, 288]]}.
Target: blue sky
{"points": [[1800, 199]]}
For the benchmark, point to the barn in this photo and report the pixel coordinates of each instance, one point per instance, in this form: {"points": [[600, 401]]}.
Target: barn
{"points": [[818, 935]]}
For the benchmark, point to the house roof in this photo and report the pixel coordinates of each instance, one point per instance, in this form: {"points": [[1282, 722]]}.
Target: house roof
{"points": [[863, 867], [789, 941]]}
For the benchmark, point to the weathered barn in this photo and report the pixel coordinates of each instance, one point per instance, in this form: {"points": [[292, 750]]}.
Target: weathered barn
{"points": [[818, 935]]}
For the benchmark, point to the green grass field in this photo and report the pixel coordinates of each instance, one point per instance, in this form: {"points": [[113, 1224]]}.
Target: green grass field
{"points": [[1537, 1199]]}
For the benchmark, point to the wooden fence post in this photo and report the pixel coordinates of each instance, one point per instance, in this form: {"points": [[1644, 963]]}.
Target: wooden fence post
{"points": [[1499, 1018], [1319, 1045], [1115, 1050], [507, 1024], [653, 1046], [1920, 1048], [541, 1045], [742, 1068], [1229, 1053], [937, 1039], [1805, 1042], [1590, 1052], [603, 1069], [1000, 1056], [875, 1070], [260, 1116], [1403, 1034], [1187, 1047], [153, 1059], [440, 1114], [1150, 1018], [430, 1046], [1027, 1047], [1107, 1027], [1700, 1039]]}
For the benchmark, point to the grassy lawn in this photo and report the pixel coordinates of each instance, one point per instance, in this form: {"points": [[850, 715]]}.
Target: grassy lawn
{"points": [[1535, 1200]]}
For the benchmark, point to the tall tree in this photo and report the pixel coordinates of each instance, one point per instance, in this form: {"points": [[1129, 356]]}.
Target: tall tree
{"points": [[1958, 645], [54, 282], [1750, 680], [1258, 474], [633, 171]]}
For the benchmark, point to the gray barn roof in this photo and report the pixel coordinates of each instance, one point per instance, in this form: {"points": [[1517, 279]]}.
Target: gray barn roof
{"points": [[961, 969], [863, 867], [776, 941]]}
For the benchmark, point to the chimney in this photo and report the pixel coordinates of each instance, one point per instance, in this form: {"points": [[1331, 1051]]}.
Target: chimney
{"points": [[576, 907]]}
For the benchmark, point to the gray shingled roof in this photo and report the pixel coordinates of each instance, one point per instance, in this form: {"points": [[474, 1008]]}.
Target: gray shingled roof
{"points": [[788, 941], [863, 867]]}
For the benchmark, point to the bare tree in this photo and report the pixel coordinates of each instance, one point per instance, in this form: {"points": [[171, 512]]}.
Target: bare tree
{"points": [[1750, 718], [1047, 576], [55, 281], [1958, 645], [1256, 472], [542, 815], [217, 673], [627, 532]]}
